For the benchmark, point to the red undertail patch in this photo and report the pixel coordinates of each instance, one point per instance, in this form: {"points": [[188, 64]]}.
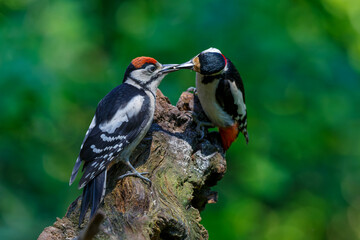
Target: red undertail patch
{"points": [[228, 135]]}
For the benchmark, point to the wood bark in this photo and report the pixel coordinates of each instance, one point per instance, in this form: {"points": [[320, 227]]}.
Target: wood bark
{"points": [[182, 169]]}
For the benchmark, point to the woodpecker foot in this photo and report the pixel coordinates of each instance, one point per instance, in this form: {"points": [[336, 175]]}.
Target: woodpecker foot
{"points": [[202, 126], [192, 90], [134, 173], [189, 115], [199, 153]]}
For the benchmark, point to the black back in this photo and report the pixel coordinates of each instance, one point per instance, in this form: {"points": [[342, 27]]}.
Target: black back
{"points": [[117, 99]]}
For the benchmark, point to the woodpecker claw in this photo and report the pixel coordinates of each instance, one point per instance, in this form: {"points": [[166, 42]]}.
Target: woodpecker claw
{"points": [[189, 115], [198, 153], [200, 125], [201, 130], [134, 173], [192, 90]]}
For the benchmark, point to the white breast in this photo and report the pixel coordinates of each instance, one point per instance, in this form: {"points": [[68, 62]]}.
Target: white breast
{"points": [[207, 96]]}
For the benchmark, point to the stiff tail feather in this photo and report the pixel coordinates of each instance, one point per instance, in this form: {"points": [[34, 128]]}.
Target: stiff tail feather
{"points": [[93, 195], [246, 135], [243, 130]]}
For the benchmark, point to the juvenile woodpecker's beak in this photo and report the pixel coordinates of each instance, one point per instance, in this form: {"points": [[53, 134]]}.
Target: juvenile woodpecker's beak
{"points": [[186, 65], [166, 68]]}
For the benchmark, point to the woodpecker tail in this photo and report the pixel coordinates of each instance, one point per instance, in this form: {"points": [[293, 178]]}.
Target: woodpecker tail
{"points": [[92, 196], [228, 135], [246, 135], [243, 130], [75, 170]]}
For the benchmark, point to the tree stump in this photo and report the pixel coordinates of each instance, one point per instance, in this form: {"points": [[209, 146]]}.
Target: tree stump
{"points": [[182, 169]]}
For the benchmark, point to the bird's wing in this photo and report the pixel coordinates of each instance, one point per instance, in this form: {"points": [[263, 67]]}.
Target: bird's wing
{"points": [[233, 75], [120, 117], [78, 160], [230, 93]]}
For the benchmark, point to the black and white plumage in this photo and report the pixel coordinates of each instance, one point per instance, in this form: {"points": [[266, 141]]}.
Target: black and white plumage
{"points": [[121, 120], [221, 93]]}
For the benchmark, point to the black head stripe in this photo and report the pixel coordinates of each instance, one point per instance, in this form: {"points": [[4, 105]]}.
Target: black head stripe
{"points": [[129, 69], [147, 64], [211, 63]]}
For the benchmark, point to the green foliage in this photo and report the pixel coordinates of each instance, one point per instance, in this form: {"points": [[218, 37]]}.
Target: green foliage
{"points": [[300, 60]]}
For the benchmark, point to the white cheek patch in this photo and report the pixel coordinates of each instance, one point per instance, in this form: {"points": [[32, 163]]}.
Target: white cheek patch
{"points": [[122, 115], [155, 84], [140, 75]]}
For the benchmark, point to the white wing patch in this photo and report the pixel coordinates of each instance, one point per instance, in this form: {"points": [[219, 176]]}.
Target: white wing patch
{"points": [[110, 139], [92, 125], [122, 115], [98, 150], [238, 98]]}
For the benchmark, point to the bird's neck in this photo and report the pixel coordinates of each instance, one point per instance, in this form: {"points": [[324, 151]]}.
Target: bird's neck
{"points": [[148, 87], [205, 79]]}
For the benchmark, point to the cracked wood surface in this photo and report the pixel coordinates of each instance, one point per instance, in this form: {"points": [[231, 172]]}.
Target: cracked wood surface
{"points": [[182, 169]]}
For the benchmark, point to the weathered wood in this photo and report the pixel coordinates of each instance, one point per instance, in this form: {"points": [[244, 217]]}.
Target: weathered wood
{"points": [[93, 227], [182, 169]]}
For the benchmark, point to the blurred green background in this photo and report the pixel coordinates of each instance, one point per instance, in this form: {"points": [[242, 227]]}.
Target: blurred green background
{"points": [[299, 177]]}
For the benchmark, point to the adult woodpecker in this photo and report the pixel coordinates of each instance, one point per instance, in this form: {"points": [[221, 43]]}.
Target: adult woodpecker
{"points": [[121, 120], [221, 93]]}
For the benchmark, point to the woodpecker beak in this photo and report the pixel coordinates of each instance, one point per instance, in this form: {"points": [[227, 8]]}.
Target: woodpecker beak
{"points": [[166, 68], [186, 65]]}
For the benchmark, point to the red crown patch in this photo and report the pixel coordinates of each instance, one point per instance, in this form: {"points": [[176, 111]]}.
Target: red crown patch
{"points": [[140, 61]]}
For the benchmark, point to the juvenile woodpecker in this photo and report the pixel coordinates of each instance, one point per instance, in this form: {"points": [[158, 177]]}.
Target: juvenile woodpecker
{"points": [[121, 120], [221, 93]]}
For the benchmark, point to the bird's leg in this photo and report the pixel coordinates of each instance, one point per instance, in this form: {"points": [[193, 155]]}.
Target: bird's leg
{"points": [[199, 153], [192, 90], [200, 125], [134, 173]]}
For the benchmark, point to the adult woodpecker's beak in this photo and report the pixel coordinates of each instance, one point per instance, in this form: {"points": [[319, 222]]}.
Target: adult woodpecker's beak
{"points": [[166, 68], [186, 65]]}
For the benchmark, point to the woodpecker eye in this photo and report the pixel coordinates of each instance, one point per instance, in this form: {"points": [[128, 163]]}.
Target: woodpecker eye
{"points": [[151, 68]]}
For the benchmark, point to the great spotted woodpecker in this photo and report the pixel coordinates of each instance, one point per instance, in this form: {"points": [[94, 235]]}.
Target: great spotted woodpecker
{"points": [[221, 93], [121, 120]]}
